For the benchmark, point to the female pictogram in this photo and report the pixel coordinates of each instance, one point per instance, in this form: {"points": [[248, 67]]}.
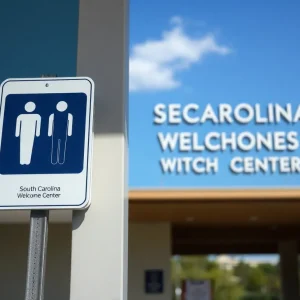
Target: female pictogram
{"points": [[59, 128]]}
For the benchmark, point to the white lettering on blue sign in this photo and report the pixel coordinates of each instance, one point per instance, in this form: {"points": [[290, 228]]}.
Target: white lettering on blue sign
{"points": [[197, 150]]}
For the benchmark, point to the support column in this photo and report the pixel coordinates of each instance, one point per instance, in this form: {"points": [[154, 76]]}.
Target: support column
{"points": [[289, 269], [149, 248], [99, 239]]}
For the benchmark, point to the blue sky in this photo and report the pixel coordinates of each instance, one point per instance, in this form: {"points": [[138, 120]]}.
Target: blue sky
{"points": [[231, 52], [270, 258]]}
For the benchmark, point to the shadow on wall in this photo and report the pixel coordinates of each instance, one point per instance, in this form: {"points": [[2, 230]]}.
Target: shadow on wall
{"points": [[40, 55], [13, 261]]}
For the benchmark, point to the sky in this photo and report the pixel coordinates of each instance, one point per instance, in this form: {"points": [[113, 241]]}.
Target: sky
{"points": [[254, 258], [208, 52]]}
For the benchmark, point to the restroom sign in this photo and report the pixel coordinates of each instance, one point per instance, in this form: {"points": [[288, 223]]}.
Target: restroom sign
{"points": [[46, 136]]}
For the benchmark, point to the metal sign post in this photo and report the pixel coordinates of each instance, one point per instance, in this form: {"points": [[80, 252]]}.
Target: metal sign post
{"points": [[37, 253]]}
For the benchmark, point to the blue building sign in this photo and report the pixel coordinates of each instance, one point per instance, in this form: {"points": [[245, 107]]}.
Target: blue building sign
{"points": [[216, 144]]}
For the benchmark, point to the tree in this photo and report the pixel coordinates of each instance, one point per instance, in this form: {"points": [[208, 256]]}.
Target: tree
{"points": [[226, 286], [256, 280], [272, 273], [243, 282], [242, 271]]}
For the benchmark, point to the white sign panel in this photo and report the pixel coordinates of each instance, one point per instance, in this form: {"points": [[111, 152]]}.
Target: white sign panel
{"points": [[198, 290], [46, 137]]}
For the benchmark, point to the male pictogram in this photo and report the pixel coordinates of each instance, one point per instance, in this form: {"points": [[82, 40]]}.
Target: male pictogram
{"points": [[59, 128], [28, 127]]}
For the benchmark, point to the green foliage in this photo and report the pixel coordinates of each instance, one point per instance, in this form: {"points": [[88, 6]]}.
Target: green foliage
{"points": [[241, 271], [243, 282], [256, 280], [227, 286], [260, 297]]}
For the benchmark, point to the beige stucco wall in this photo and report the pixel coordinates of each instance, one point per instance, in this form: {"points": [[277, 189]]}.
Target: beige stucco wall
{"points": [[149, 248], [13, 261]]}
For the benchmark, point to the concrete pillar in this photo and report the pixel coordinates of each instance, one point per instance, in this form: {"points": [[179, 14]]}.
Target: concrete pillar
{"points": [[289, 269], [99, 237], [149, 248]]}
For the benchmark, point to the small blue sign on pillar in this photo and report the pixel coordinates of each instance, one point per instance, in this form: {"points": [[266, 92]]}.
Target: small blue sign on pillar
{"points": [[154, 283]]}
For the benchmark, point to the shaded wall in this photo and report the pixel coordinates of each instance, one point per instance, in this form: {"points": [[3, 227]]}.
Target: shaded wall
{"points": [[149, 248], [13, 262]]}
